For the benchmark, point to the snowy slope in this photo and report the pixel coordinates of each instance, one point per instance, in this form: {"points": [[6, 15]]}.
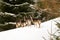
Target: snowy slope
{"points": [[31, 32]]}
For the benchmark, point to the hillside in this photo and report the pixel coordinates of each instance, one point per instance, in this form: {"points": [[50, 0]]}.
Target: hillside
{"points": [[47, 31], [52, 6]]}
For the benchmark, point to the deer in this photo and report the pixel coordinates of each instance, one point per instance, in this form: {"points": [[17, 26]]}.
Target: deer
{"points": [[36, 21], [18, 23], [21, 22], [28, 21]]}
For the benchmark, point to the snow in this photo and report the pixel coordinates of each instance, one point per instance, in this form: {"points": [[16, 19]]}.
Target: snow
{"points": [[32, 32]]}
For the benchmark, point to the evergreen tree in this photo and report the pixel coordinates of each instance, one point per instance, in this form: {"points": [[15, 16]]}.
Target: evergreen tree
{"points": [[19, 9], [15, 10]]}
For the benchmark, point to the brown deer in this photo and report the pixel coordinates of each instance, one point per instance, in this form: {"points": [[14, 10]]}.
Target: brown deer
{"points": [[18, 24], [28, 21], [23, 24], [37, 22]]}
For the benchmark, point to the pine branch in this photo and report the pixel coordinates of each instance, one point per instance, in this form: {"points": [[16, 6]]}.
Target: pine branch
{"points": [[10, 14], [16, 5]]}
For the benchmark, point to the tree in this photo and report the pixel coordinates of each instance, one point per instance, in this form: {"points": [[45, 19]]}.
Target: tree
{"points": [[13, 10]]}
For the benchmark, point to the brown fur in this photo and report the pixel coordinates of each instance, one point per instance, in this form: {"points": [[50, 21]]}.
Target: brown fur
{"points": [[37, 23]]}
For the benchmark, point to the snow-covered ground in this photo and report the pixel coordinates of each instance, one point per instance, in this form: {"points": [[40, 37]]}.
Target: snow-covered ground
{"points": [[31, 32]]}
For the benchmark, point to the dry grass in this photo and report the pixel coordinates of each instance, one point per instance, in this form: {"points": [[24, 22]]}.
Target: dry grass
{"points": [[52, 6]]}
